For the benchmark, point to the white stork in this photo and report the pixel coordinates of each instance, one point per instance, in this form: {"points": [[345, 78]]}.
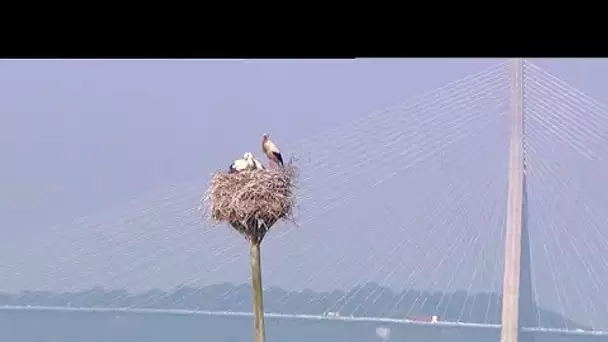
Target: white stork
{"points": [[254, 163], [247, 163], [271, 150]]}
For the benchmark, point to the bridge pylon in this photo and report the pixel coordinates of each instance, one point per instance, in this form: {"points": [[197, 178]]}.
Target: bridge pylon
{"points": [[515, 207]]}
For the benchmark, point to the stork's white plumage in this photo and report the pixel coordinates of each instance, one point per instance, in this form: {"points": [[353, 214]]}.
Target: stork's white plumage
{"points": [[239, 165], [247, 163], [271, 150], [253, 163]]}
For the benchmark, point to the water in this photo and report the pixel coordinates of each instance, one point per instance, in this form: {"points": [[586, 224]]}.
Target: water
{"points": [[81, 326], [41, 326]]}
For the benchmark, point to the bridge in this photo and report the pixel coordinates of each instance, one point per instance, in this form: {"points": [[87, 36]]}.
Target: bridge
{"points": [[479, 203]]}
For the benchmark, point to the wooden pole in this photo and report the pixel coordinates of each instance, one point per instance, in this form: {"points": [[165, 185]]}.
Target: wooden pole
{"points": [[256, 286], [513, 239]]}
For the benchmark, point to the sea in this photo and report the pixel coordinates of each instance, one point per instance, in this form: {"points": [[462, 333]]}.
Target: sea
{"points": [[44, 326]]}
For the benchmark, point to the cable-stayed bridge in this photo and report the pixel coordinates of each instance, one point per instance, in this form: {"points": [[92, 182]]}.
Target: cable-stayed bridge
{"points": [[403, 216]]}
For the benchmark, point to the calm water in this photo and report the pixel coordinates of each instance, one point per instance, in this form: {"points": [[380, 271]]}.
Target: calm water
{"points": [[31, 326]]}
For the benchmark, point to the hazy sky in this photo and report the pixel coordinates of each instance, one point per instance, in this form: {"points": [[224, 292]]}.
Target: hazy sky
{"points": [[85, 134], [78, 137]]}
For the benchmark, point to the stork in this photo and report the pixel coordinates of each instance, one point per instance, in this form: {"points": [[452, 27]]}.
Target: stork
{"points": [[247, 163], [253, 163], [239, 165], [271, 151]]}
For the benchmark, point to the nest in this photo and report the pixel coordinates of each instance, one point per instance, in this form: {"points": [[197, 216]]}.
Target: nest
{"points": [[252, 201]]}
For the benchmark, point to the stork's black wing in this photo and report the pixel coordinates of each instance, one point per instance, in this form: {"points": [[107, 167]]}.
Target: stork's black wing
{"points": [[279, 157]]}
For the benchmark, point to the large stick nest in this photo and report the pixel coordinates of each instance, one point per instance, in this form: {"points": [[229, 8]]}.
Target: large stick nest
{"points": [[253, 200]]}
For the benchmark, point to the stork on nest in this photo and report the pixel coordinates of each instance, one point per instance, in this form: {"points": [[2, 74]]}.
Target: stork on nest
{"points": [[253, 200]]}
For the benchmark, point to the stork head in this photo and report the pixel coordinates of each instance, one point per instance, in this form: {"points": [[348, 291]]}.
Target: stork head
{"points": [[265, 136], [248, 156]]}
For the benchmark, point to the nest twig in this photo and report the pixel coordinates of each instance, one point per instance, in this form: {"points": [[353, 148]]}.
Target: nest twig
{"points": [[252, 201]]}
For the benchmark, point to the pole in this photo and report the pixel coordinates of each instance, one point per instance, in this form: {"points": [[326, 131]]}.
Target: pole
{"points": [[256, 287], [513, 239]]}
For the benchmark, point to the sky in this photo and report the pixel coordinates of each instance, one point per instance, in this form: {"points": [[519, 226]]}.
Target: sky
{"points": [[87, 134], [83, 137]]}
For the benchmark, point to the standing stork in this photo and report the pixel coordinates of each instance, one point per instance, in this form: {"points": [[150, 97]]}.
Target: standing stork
{"points": [[271, 150]]}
